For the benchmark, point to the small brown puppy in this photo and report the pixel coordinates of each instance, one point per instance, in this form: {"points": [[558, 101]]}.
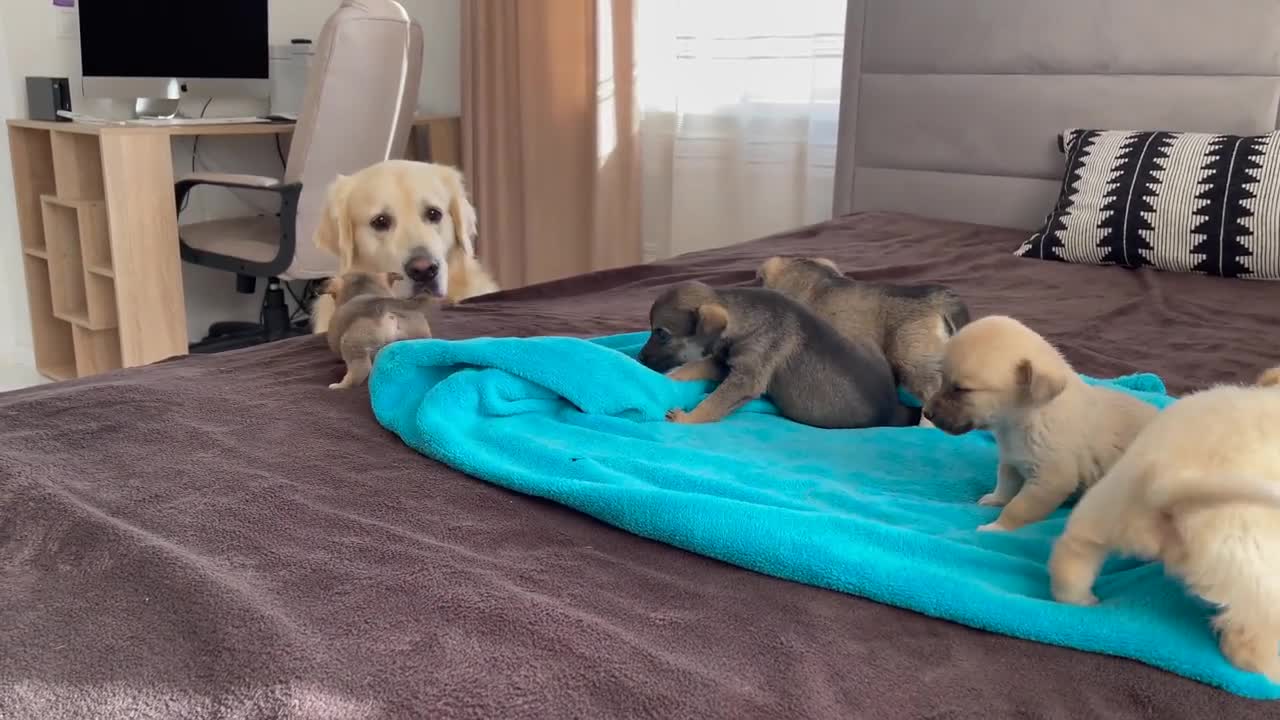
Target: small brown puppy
{"points": [[368, 317], [760, 342], [1199, 490], [910, 323], [1056, 433]]}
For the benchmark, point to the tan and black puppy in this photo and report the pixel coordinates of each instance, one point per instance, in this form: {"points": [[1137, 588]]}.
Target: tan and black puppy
{"points": [[759, 342], [910, 323], [1056, 433], [368, 316]]}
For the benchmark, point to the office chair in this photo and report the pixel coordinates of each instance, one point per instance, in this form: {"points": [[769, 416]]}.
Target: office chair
{"points": [[362, 93]]}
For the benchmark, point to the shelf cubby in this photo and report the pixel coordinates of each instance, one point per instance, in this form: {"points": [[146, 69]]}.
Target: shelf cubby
{"points": [[52, 337], [77, 166], [32, 155]]}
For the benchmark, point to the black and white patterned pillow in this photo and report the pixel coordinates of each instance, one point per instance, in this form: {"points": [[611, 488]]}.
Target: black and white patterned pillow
{"points": [[1179, 201]]}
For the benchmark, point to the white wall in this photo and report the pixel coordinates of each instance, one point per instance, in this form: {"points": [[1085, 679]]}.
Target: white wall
{"points": [[39, 39]]}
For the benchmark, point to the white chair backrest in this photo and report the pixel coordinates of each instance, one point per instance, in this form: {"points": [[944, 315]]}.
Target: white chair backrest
{"points": [[362, 95]]}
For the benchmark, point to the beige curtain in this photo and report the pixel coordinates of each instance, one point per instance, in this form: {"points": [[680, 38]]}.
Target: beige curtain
{"points": [[549, 128]]}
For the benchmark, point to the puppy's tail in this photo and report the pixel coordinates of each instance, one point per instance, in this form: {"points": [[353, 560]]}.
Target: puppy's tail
{"points": [[322, 310], [1227, 490], [954, 313]]}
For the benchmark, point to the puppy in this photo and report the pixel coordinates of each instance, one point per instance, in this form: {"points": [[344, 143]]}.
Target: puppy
{"points": [[407, 217], [757, 342], [368, 317], [1056, 434], [910, 323], [1198, 490]]}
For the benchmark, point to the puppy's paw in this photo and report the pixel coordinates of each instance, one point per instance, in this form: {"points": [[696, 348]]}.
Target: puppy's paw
{"points": [[993, 527], [676, 415], [338, 386], [1251, 651], [1070, 596], [993, 500]]}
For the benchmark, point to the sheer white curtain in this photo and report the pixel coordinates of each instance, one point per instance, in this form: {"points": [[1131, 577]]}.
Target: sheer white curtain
{"points": [[738, 117]]}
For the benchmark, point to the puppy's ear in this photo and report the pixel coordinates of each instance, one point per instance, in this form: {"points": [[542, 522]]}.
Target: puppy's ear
{"points": [[333, 286], [1038, 384], [770, 269], [1270, 377], [827, 263], [713, 319], [334, 232], [462, 213]]}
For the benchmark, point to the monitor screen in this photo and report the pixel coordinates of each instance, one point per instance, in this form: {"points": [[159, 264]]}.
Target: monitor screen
{"points": [[174, 38]]}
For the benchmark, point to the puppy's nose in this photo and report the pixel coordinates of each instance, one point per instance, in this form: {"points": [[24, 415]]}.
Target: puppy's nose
{"points": [[421, 269]]}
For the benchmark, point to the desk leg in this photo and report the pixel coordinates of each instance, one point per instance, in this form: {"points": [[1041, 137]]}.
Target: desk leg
{"points": [[142, 218]]}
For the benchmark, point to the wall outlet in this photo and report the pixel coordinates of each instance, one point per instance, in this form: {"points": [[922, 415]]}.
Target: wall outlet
{"points": [[66, 23]]}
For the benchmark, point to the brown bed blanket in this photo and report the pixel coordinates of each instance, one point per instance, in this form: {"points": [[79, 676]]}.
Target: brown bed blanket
{"points": [[222, 536]]}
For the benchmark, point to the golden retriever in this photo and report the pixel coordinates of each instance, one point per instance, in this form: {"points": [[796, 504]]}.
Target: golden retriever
{"points": [[406, 217], [1056, 433], [1199, 490]]}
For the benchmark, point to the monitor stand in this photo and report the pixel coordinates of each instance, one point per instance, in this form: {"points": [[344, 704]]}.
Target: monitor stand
{"points": [[155, 109]]}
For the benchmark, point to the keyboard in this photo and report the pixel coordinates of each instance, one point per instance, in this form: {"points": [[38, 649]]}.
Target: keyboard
{"points": [[161, 122], [166, 122]]}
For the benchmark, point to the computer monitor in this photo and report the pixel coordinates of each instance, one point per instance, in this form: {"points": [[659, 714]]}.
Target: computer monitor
{"points": [[156, 51]]}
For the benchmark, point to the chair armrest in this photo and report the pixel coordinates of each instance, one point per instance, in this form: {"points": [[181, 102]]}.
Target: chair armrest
{"points": [[289, 192], [288, 214], [230, 179]]}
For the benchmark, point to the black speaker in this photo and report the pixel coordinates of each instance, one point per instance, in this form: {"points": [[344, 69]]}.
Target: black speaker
{"points": [[46, 96]]}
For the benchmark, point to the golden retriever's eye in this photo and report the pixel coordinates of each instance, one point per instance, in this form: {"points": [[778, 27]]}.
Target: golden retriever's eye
{"points": [[433, 215], [960, 390], [381, 223]]}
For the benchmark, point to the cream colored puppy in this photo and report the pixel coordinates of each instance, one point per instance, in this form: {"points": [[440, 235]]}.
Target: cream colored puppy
{"points": [[1056, 433], [405, 217], [1199, 490]]}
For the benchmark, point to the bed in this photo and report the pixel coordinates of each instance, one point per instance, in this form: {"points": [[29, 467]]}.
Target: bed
{"points": [[222, 536]]}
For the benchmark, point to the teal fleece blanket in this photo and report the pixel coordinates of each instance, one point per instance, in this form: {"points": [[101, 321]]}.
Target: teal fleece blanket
{"points": [[888, 513]]}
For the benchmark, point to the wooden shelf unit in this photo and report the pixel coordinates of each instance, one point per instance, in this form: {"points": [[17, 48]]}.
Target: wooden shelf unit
{"points": [[68, 252]]}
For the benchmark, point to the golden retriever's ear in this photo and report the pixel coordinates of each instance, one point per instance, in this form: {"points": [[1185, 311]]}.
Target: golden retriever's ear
{"points": [[462, 213], [334, 231], [713, 318], [1039, 385], [770, 268]]}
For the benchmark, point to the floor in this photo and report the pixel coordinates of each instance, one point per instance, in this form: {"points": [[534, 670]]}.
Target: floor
{"points": [[13, 377]]}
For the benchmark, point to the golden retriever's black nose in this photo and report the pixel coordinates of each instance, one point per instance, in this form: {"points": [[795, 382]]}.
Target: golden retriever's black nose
{"points": [[421, 270]]}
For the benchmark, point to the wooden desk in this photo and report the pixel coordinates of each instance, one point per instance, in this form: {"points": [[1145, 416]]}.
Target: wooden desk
{"points": [[99, 232]]}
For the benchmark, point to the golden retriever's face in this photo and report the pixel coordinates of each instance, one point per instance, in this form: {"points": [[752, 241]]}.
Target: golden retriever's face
{"points": [[400, 216], [994, 368]]}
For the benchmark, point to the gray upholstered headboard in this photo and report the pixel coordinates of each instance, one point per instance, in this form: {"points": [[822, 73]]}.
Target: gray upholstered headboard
{"points": [[951, 108]]}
